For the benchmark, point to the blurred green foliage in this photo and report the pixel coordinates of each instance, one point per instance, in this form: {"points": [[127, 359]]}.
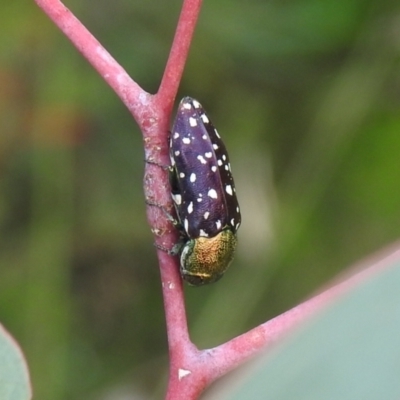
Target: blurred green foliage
{"points": [[350, 350], [307, 97], [14, 375]]}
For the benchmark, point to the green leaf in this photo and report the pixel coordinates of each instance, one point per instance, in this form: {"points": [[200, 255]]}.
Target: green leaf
{"points": [[351, 350], [14, 376]]}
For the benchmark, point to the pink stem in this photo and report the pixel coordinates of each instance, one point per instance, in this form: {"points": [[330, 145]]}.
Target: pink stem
{"points": [[179, 51], [191, 370], [130, 92], [198, 369], [233, 353]]}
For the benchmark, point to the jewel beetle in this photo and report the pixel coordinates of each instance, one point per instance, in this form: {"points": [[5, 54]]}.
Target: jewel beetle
{"points": [[204, 195]]}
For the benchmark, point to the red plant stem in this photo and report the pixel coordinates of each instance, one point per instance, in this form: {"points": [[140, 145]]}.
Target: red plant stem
{"points": [[152, 115], [129, 91], [233, 353], [191, 370], [181, 350], [200, 368], [179, 51]]}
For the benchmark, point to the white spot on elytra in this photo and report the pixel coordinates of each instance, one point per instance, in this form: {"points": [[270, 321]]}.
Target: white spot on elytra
{"points": [[233, 221], [213, 194], [187, 106], [205, 119], [220, 162], [206, 215], [205, 137], [224, 157], [177, 153], [208, 154], [177, 198], [218, 224], [182, 373], [228, 189], [203, 233], [186, 224], [181, 175], [186, 140], [201, 159], [192, 122], [199, 199], [176, 135], [214, 168], [237, 209], [192, 177], [196, 104], [215, 146], [226, 168], [190, 207]]}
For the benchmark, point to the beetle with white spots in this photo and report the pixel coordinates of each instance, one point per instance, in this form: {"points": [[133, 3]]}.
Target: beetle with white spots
{"points": [[204, 195]]}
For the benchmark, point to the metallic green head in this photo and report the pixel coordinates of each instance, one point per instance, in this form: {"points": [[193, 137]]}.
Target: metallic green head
{"points": [[204, 260]]}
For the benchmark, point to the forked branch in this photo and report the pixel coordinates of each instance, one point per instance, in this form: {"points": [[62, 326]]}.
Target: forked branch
{"points": [[191, 370]]}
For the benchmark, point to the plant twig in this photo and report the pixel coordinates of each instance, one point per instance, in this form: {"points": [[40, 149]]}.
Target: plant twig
{"points": [[191, 370]]}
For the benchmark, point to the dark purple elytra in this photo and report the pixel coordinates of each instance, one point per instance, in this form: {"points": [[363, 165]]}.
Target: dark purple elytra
{"points": [[202, 185]]}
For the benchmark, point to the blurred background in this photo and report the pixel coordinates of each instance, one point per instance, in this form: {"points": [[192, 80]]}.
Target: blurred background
{"points": [[306, 95]]}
